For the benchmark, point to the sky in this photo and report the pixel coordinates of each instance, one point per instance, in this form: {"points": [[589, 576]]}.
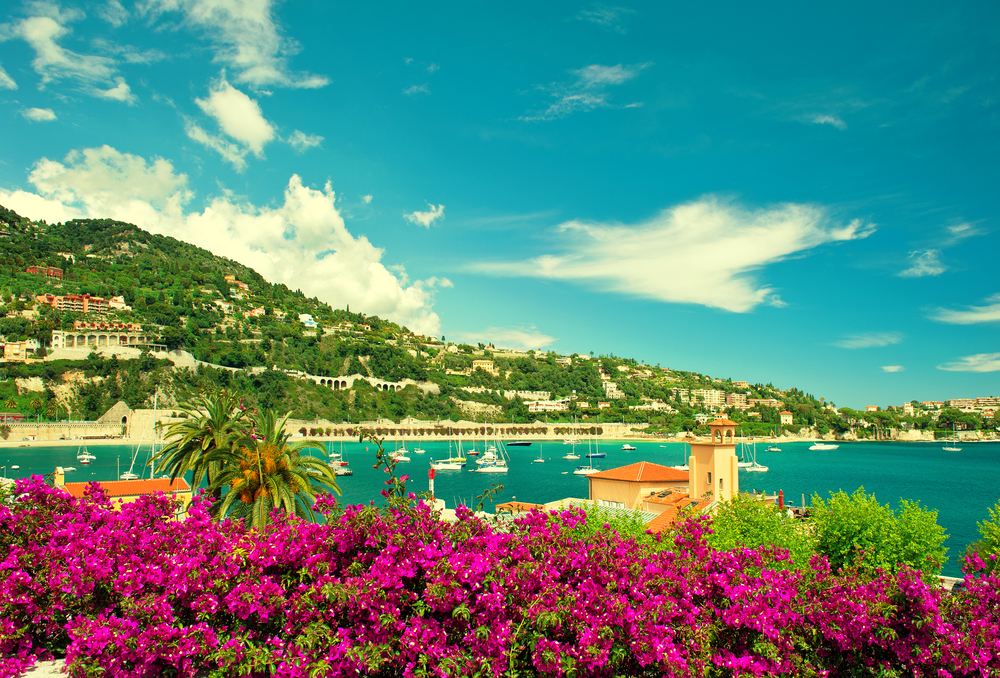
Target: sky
{"points": [[798, 194]]}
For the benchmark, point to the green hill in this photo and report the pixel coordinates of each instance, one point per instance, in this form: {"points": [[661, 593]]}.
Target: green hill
{"points": [[227, 314]]}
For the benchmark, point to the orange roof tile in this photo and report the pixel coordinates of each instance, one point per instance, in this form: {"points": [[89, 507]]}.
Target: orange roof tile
{"points": [[662, 521], [722, 422], [643, 472], [128, 488]]}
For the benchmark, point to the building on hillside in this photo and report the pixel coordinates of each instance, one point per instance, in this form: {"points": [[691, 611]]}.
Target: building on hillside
{"points": [[611, 390], [547, 405], [709, 397], [786, 418], [15, 351], [113, 327], [47, 271], [964, 404], [118, 304], [737, 400], [11, 418], [128, 491], [485, 366], [307, 320], [931, 404], [76, 303], [97, 338], [741, 384], [628, 486]]}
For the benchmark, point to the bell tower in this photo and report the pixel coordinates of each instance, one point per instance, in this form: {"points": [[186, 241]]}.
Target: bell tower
{"points": [[713, 463]]}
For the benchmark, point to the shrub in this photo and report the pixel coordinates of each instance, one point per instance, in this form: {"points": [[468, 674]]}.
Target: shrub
{"points": [[746, 522], [857, 530]]}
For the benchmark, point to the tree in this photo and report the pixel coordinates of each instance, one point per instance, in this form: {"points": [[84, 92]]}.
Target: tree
{"points": [[988, 547], [213, 421], [745, 522], [36, 404], [264, 472], [857, 530]]}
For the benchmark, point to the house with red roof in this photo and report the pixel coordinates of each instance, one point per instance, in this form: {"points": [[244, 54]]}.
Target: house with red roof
{"points": [[128, 491]]}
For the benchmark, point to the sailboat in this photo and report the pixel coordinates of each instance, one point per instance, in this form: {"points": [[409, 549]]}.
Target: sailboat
{"points": [[596, 452], [586, 470], [572, 440], [683, 466], [572, 453], [754, 467], [774, 446], [454, 462], [83, 456], [951, 444], [541, 459]]}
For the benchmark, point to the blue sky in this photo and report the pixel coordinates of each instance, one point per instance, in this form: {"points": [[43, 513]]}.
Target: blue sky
{"points": [[798, 194]]}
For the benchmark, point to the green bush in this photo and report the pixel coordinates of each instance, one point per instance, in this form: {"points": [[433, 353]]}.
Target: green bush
{"points": [[988, 547], [855, 530], [746, 522]]}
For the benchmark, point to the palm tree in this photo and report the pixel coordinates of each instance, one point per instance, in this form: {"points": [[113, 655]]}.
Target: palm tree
{"points": [[265, 472], [214, 422], [36, 405], [10, 404]]}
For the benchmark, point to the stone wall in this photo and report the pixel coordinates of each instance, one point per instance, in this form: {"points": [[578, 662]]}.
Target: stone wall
{"points": [[65, 430]]}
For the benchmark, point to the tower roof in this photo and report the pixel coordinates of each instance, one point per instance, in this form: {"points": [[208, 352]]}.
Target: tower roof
{"points": [[722, 421]]}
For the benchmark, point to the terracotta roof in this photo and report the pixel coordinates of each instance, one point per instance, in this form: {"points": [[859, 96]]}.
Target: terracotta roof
{"points": [[722, 422], [517, 507], [128, 488], [643, 472], [662, 521]]}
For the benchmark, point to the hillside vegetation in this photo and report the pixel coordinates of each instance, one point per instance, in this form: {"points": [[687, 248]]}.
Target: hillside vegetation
{"points": [[181, 294]]}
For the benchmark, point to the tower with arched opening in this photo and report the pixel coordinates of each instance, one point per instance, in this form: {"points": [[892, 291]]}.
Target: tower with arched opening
{"points": [[713, 463]]}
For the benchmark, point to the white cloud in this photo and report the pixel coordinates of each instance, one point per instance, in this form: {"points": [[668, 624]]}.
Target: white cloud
{"points": [[427, 218], [53, 62], [990, 313], [587, 91], [245, 37], [6, 82], [120, 92], [366, 199], [433, 68], [607, 17], [39, 114], [132, 55], [230, 152], [702, 252], [981, 362], [302, 142], [821, 119], [506, 337], [413, 90], [114, 13], [240, 118], [925, 263], [870, 340], [893, 368], [959, 232], [303, 243]]}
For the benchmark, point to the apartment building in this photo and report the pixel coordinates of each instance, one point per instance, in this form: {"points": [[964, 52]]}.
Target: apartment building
{"points": [[47, 271], [710, 397], [77, 303]]}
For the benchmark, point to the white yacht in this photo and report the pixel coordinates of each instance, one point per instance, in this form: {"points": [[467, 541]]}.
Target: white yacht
{"points": [[823, 446], [626, 446]]}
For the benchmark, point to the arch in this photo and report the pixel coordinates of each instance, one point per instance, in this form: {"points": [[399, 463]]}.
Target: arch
{"points": [[729, 435], [125, 419], [92, 340], [81, 340], [718, 436]]}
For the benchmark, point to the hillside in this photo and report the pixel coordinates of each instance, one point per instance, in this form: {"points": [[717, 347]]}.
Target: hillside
{"points": [[272, 339]]}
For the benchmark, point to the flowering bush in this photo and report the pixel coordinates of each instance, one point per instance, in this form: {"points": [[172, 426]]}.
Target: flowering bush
{"points": [[392, 591]]}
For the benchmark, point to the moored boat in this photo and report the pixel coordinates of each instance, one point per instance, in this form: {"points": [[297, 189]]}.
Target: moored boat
{"points": [[823, 446]]}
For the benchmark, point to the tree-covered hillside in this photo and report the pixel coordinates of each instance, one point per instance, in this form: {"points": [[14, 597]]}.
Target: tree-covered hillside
{"points": [[227, 315]]}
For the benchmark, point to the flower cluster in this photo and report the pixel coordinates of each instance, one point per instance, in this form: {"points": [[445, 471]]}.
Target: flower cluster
{"points": [[393, 591]]}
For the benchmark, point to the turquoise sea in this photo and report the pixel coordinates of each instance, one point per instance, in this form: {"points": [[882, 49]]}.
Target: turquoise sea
{"points": [[961, 486]]}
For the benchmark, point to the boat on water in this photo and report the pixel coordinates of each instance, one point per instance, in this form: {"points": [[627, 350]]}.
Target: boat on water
{"points": [[493, 460], [596, 455], [83, 456], [518, 443], [419, 450], [454, 462], [951, 444], [343, 471], [540, 459], [626, 446], [823, 446], [399, 455], [951, 447], [773, 448], [65, 468]]}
